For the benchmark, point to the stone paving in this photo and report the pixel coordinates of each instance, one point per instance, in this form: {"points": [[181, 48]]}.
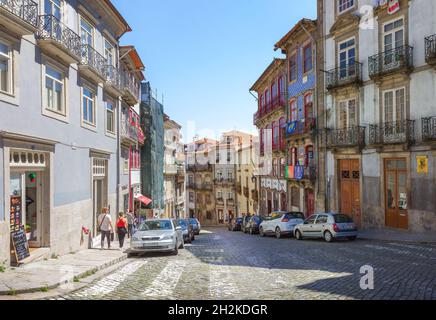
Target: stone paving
{"points": [[222, 265]]}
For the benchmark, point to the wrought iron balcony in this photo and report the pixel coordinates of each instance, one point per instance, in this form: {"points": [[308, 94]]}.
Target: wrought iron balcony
{"points": [[276, 103], [230, 202], [430, 50], [199, 167], [191, 185], [129, 131], [113, 80], [93, 64], [59, 40], [429, 129], [130, 88], [220, 201], [346, 138], [398, 59], [21, 16], [345, 75], [400, 132], [301, 127]]}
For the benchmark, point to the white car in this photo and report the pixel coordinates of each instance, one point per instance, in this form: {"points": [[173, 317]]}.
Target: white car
{"points": [[280, 223]]}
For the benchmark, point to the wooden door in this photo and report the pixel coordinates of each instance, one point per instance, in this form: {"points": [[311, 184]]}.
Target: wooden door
{"points": [[396, 194], [350, 203]]}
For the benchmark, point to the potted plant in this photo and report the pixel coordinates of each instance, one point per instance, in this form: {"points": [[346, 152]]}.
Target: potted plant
{"points": [[28, 232]]}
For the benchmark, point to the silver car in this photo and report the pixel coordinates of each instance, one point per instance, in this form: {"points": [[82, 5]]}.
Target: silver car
{"points": [[327, 226], [160, 235]]}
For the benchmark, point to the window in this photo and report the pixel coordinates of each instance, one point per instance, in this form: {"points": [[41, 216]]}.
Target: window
{"points": [[54, 90], [5, 68], [308, 108], [347, 58], [109, 53], [274, 91], [191, 197], [345, 5], [274, 167], [230, 176], [293, 68], [110, 117], [53, 7], [282, 167], [310, 220], [294, 110], [276, 135], [347, 114], [282, 125], [88, 110], [230, 196], [86, 32], [267, 100], [220, 195], [125, 157], [394, 105], [322, 219], [308, 63], [394, 34]]}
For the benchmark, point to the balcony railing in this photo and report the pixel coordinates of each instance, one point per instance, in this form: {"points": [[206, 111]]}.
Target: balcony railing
{"points": [[430, 49], [93, 59], [27, 10], [129, 130], [130, 85], [300, 127], [230, 202], [191, 185], [308, 172], [205, 186], [276, 103], [345, 138], [141, 136], [113, 76], [199, 167], [391, 61], [220, 201], [392, 133], [51, 28], [429, 129], [344, 75]]}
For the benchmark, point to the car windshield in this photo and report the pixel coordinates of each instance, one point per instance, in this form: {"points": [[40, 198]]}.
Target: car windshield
{"points": [[193, 221], [156, 225], [296, 215], [342, 218], [257, 219]]}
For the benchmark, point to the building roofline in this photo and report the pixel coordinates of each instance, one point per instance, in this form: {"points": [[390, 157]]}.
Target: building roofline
{"points": [[276, 62], [302, 23], [123, 21]]}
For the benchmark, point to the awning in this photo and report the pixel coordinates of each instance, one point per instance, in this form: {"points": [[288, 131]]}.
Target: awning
{"points": [[143, 199]]}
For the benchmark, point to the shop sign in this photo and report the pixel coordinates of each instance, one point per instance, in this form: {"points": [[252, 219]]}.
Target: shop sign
{"points": [[393, 6], [422, 164]]}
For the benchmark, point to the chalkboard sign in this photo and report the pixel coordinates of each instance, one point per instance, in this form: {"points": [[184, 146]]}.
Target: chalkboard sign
{"points": [[16, 214], [20, 245]]}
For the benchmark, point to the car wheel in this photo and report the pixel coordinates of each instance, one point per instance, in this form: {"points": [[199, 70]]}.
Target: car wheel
{"points": [[298, 235], [262, 234], [278, 233], [328, 237], [352, 238]]}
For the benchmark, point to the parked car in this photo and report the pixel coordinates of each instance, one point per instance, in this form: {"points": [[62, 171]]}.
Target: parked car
{"points": [[329, 226], [187, 229], [196, 225], [245, 223], [235, 224], [161, 235], [254, 224], [280, 223]]}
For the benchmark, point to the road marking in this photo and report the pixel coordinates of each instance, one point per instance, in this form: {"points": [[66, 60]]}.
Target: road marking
{"points": [[221, 282], [111, 282], [164, 284]]}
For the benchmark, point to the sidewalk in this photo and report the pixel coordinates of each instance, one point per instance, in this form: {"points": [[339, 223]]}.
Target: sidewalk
{"points": [[49, 274], [397, 235]]}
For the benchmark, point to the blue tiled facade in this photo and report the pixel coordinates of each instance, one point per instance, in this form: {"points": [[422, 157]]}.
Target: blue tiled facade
{"points": [[299, 87]]}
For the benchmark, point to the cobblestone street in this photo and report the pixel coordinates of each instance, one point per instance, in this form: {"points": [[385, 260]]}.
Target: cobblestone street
{"points": [[224, 265]]}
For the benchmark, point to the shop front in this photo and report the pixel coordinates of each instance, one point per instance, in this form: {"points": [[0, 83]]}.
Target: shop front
{"points": [[28, 203]]}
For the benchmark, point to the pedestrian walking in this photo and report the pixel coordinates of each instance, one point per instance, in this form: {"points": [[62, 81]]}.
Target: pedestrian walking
{"points": [[105, 227], [122, 227], [130, 223]]}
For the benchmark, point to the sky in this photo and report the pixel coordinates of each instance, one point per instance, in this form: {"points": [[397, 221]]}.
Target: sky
{"points": [[203, 56]]}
